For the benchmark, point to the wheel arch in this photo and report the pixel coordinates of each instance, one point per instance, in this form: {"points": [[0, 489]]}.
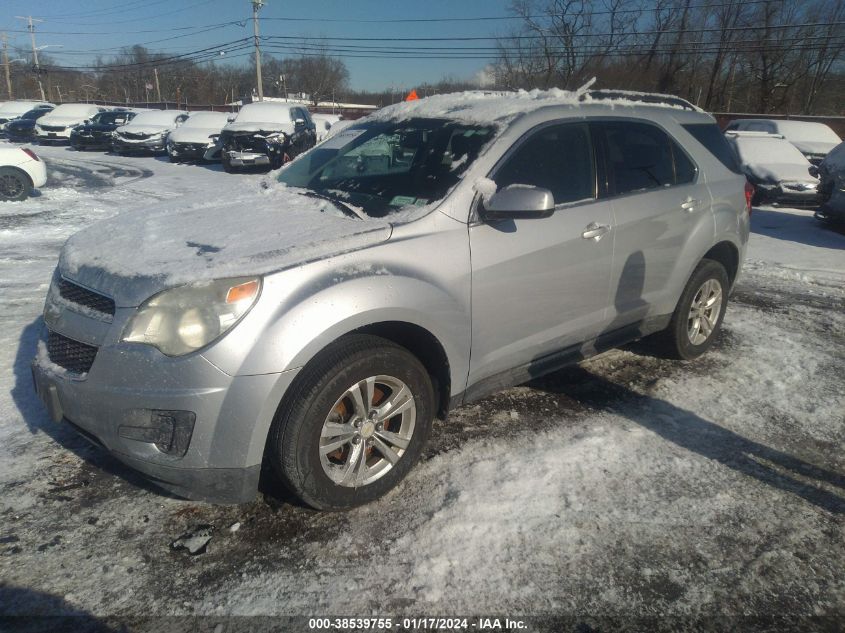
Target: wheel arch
{"points": [[727, 254]]}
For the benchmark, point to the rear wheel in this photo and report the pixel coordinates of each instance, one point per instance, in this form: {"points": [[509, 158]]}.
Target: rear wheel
{"points": [[227, 165], [14, 184], [354, 424], [699, 313]]}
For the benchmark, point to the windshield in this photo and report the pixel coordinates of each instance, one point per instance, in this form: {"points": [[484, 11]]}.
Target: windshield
{"points": [[264, 113], [32, 115], [382, 167], [116, 118], [155, 117], [207, 120]]}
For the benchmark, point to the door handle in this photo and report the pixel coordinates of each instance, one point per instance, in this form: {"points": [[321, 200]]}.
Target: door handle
{"points": [[689, 204], [595, 231]]}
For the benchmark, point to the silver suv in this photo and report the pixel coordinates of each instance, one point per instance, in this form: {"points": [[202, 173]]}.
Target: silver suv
{"points": [[433, 253]]}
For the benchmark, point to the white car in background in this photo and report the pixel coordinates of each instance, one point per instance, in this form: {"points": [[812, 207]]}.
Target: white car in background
{"points": [[148, 131], [11, 110], [813, 139], [324, 123], [20, 171], [192, 139], [57, 126], [778, 170]]}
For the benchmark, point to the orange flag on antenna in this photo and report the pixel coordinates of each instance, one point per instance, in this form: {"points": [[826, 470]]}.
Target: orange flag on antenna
{"points": [[412, 96]]}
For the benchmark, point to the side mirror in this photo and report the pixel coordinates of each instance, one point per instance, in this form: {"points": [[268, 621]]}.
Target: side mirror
{"points": [[814, 171], [519, 201], [231, 117], [299, 122]]}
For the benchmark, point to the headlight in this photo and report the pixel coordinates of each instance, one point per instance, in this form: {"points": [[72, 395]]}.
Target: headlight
{"points": [[184, 319]]}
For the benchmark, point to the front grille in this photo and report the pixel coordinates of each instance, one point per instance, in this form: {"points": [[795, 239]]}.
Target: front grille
{"points": [[82, 296], [71, 355], [53, 128]]}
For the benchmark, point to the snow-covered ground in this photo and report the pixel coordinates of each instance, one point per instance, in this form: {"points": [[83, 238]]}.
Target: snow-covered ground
{"points": [[626, 486]]}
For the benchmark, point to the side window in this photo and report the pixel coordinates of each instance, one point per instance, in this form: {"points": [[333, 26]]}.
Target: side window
{"points": [[558, 158], [684, 169], [638, 157]]}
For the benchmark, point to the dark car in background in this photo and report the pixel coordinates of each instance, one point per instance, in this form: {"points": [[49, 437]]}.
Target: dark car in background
{"points": [[96, 133], [22, 129], [831, 173]]}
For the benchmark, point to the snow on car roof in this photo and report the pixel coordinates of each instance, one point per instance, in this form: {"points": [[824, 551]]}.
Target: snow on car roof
{"points": [[74, 110], [19, 107], [207, 118], [477, 106], [264, 111]]}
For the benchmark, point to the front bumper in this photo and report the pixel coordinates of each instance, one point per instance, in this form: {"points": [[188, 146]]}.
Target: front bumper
{"points": [[53, 135], [121, 144], [20, 136], [128, 386], [188, 151], [91, 141], [246, 159], [781, 195]]}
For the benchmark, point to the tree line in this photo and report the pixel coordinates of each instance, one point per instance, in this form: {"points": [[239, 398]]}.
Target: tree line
{"points": [[762, 56]]}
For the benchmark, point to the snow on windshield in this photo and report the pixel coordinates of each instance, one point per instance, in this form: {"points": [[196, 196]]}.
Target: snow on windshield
{"points": [[74, 110], [155, 117], [807, 131], [264, 113], [207, 120]]}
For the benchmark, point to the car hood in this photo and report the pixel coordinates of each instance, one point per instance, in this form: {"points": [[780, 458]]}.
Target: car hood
{"points": [[136, 254], [781, 172], [261, 126], [814, 147], [144, 129], [60, 120], [193, 134]]}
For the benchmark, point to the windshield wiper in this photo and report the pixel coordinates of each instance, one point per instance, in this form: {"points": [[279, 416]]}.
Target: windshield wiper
{"points": [[340, 205]]}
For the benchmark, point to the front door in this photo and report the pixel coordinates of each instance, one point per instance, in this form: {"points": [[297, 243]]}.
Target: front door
{"points": [[541, 285]]}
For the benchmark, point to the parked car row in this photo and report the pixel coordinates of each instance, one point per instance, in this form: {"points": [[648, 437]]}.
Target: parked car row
{"points": [[781, 158], [263, 134]]}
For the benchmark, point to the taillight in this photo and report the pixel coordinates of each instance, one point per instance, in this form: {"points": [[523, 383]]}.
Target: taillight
{"points": [[749, 194], [30, 153]]}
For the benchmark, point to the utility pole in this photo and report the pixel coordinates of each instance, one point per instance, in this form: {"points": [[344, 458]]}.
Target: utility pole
{"points": [[30, 21], [6, 64], [158, 87], [256, 5]]}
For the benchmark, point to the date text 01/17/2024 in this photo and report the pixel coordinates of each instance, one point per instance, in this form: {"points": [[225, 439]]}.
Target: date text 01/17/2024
{"points": [[416, 624]]}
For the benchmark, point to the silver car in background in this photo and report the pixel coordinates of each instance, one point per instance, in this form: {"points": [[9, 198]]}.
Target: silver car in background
{"points": [[424, 257]]}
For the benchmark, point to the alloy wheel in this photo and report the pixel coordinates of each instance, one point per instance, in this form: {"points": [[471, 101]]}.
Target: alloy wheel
{"points": [[704, 311]]}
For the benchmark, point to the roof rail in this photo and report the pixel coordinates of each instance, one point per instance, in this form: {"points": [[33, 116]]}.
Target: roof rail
{"points": [[644, 97]]}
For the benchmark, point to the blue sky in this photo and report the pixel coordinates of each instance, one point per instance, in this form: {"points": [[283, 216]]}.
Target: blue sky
{"points": [[85, 28]]}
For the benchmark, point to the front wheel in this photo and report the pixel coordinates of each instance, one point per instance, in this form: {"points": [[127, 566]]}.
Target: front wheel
{"points": [[354, 424], [14, 184], [699, 313]]}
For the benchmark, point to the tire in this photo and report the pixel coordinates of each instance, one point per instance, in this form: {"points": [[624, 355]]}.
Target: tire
{"points": [[684, 338], [758, 198], [227, 166], [321, 403], [15, 185]]}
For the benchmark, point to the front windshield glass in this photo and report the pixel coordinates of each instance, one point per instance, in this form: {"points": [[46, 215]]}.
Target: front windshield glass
{"points": [[384, 166], [108, 118], [156, 117]]}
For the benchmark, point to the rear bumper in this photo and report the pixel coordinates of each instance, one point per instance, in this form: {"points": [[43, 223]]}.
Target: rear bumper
{"points": [[37, 171]]}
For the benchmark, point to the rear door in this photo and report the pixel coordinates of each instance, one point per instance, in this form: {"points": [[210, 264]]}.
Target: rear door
{"points": [[539, 285], [658, 199]]}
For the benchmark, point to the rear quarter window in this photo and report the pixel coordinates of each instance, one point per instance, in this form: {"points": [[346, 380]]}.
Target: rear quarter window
{"points": [[709, 135]]}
